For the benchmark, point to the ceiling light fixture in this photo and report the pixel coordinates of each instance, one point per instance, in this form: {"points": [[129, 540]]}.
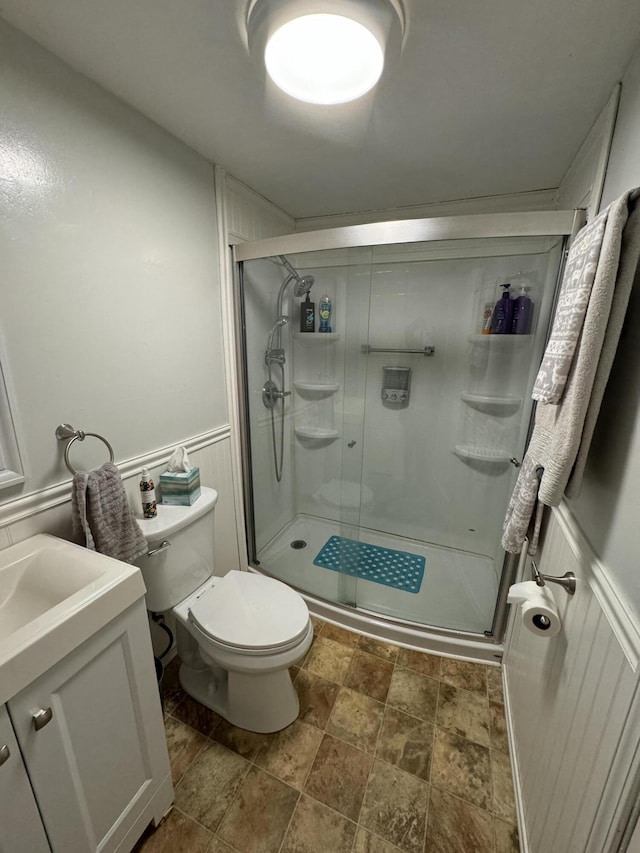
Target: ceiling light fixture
{"points": [[325, 51]]}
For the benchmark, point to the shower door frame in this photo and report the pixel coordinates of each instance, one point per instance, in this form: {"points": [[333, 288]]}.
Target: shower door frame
{"points": [[558, 223]]}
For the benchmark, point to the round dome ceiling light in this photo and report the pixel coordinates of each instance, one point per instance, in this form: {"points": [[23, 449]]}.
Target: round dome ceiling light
{"points": [[327, 51]]}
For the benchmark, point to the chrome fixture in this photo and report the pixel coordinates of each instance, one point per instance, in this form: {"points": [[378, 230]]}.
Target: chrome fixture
{"points": [[271, 355], [567, 581], [271, 394], [328, 52], [396, 385], [41, 718], [365, 349], [65, 432], [275, 354]]}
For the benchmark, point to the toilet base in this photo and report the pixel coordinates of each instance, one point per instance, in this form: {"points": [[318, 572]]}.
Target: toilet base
{"points": [[259, 703]]}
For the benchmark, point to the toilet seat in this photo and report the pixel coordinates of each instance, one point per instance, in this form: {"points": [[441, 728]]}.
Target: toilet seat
{"points": [[251, 613]]}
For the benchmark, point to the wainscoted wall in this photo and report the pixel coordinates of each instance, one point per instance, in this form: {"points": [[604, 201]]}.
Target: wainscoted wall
{"points": [[49, 510], [570, 699]]}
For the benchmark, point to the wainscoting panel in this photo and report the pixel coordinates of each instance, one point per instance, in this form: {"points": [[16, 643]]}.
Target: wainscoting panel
{"points": [[569, 698], [49, 511]]}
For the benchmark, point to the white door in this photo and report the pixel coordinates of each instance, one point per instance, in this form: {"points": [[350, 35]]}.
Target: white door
{"points": [[20, 824], [97, 749]]}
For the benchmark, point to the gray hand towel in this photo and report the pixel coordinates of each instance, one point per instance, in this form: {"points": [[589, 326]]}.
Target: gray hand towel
{"points": [[101, 515]]}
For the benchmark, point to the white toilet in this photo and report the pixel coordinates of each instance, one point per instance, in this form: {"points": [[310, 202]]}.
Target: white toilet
{"points": [[236, 635]]}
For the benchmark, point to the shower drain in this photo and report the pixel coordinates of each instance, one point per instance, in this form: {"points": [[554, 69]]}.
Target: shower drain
{"points": [[298, 544]]}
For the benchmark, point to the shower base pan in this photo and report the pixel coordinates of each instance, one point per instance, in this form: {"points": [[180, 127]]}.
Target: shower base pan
{"points": [[458, 592]]}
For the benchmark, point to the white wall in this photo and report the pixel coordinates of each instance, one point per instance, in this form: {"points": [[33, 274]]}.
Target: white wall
{"points": [[609, 506], [109, 294]]}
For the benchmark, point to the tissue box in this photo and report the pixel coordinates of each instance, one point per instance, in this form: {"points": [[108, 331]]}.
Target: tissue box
{"points": [[180, 489]]}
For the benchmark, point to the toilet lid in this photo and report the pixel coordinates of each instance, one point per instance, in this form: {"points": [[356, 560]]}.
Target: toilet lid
{"points": [[251, 612]]}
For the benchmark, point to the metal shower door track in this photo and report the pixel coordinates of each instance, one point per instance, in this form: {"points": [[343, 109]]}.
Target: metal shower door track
{"points": [[554, 223]]}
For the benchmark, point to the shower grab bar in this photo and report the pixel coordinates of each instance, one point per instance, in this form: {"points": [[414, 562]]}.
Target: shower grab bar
{"points": [[567, 581], [365, 349]]}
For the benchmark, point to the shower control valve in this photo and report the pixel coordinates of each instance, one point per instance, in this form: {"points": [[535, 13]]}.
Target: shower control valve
{"points": [[271, 394]]}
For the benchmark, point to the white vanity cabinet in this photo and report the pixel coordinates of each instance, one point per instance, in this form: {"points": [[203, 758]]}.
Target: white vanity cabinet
{"points": [[20, 825], [91, 734]]}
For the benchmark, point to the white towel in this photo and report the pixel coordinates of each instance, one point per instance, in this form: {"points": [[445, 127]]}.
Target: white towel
{"points": [[573, 301], [562, 432], [101, 515]]}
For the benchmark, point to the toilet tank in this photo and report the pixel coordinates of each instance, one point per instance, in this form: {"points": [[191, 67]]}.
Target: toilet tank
{"points": [[180, 540]]}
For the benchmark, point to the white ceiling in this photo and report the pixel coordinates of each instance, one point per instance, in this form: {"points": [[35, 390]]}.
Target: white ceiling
{"points": [[489, 96]]}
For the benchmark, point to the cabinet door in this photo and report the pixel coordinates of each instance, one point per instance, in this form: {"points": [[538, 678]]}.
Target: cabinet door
{"points": [[20, 825], [100, 751]]}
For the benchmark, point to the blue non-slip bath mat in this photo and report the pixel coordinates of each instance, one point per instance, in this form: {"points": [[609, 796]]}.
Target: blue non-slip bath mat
{"points": [[398, 569]]}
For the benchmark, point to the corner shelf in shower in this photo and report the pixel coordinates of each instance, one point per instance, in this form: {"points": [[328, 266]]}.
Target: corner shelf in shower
{"points": [[499, 340], [316, 389], [492, 405], [316, 433], [469, 453], [314, 337]]}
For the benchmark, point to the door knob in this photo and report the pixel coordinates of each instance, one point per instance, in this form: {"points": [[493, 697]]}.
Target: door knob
{"points": [[41, 718]]}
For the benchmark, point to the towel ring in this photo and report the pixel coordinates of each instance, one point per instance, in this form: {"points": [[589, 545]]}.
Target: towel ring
{"points": [[66, 431]]}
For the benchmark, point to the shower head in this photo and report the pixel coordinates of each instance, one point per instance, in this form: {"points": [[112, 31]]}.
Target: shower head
{"points": [[279, 323], [303, 285]]}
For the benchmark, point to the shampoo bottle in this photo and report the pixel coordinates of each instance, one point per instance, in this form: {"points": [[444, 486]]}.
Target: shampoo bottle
{"points": [[503, 313], [522, 313], [148, 495], [486, 318], [307, 315], [325, 314]]}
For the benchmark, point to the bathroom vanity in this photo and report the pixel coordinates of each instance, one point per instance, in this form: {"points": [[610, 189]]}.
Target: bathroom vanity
{"points": [[83, 756]]}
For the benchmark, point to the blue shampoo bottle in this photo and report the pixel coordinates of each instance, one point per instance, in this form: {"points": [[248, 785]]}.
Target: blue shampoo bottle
{"points": [[325, 314]]}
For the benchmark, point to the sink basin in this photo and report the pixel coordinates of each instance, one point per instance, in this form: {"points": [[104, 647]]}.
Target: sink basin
{"points": [[53, 596]]}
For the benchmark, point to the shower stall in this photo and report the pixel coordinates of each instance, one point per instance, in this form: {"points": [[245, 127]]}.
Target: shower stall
{"points": [[379, 457]]}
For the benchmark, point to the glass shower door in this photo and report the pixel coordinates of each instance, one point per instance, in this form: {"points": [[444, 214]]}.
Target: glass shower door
{"points": [[446, 409], [396, 431]]}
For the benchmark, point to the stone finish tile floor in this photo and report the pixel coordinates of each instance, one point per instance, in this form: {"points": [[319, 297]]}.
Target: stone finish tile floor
{"points": [[394, 751]]}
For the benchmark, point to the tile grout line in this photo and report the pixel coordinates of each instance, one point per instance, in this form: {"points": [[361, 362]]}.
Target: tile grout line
{"points": [[396, 666]]}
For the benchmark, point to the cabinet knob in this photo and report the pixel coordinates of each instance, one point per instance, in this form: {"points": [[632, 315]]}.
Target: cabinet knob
{"points": [[5, 752], [41, 718]]}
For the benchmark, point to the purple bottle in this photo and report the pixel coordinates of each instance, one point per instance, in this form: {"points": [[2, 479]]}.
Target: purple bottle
{"points": [[522, 313], [503, 313]]}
